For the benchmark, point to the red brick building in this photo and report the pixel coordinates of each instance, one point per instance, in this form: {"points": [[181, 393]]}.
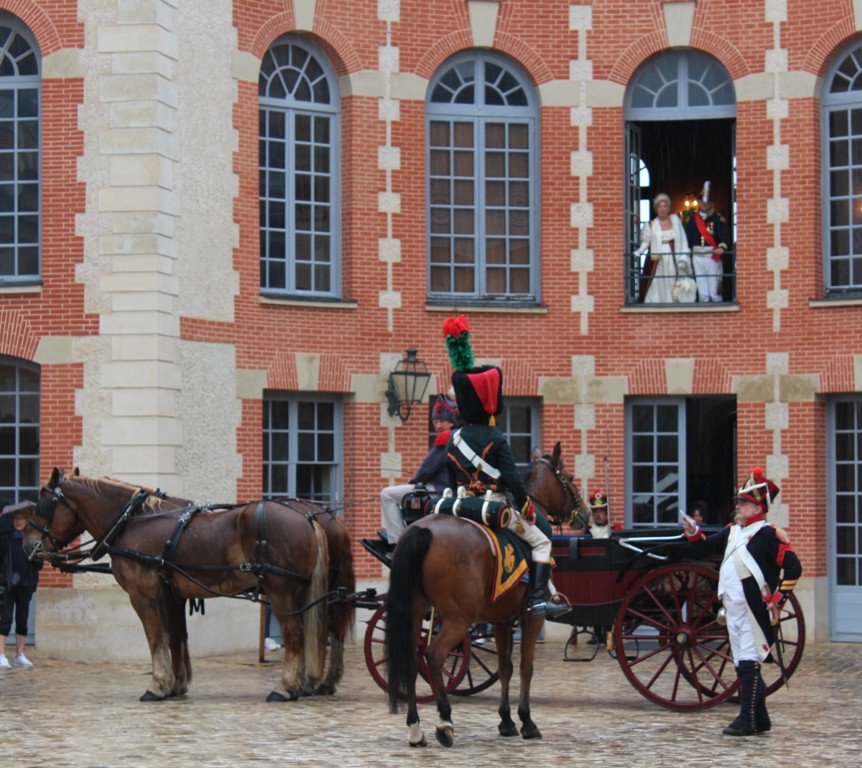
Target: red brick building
{"points": [[223, 223]]}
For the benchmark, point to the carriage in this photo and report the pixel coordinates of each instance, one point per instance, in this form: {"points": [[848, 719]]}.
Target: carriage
{"points": [[661, 610]]}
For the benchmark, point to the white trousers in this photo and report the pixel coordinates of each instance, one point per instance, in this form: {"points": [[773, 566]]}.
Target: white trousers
{"points": [[743, 644], [540, 543], [707, 274], [390, 499]]}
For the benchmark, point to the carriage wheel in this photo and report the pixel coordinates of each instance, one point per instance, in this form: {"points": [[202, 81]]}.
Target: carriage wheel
{"points": [[454, 669], [683, 659], [482, 669], [791, 636]]}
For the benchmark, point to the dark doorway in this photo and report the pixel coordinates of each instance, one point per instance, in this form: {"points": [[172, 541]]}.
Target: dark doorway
{"points": [[711, 455]]}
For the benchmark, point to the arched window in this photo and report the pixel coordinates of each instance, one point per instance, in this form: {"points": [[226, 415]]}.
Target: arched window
{"points": [[19, 430], [681, 85], [20, 164], [299, 162], [483, 202], [841, 105]]}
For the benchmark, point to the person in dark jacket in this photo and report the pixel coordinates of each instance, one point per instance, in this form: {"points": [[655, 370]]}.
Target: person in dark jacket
{"points": [[759, 570], [432, 471], [19, 578], [480, 460]]}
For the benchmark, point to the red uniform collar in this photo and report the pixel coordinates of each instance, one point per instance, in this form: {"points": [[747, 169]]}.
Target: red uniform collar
{"points": [[755, 519], [442, 438]]}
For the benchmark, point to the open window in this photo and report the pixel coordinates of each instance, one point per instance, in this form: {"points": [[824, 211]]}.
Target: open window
{"points": [[680, 113], [679, 451]]}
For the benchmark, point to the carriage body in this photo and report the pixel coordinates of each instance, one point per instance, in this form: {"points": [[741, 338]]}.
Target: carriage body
{"points": [[594, 576]]}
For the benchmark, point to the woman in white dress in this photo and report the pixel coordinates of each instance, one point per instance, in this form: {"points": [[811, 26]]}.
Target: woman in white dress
{"points": [[669, 254]]}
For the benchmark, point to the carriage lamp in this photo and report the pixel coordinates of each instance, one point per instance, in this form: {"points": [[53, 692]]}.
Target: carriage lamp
{"points": [[408, 383]]}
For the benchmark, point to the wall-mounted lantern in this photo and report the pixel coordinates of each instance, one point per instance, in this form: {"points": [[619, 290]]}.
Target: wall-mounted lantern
{"points": [[408, 383]]}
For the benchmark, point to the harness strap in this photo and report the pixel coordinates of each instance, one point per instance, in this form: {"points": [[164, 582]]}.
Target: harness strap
{"points": [[103, 545], [169, 551]]}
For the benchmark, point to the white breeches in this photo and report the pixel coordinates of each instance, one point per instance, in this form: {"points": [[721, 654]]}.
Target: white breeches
{"points": [[707, 273], [743, 643], [540, 543], [391, 498]]}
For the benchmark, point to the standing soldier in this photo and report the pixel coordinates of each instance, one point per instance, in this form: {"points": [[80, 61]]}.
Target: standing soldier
{"points": [[759, 570], [707, 236]]}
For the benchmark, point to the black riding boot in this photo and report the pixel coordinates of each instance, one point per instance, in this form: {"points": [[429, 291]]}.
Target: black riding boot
{"points": [[539, 604], [762, 722], [750, 688]]}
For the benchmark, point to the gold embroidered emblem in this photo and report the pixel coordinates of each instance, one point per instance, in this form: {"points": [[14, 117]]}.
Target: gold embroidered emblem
{"points": [[509, 558]]}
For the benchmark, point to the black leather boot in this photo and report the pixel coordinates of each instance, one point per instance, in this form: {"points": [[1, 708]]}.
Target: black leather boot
{"points": [[539, 603], [762, 723], [750, 687]]}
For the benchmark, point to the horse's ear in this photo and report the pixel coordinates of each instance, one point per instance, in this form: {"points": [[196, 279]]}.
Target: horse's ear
{"points": [[536, 454], [55, 476], [555, 457], [76, 472]]}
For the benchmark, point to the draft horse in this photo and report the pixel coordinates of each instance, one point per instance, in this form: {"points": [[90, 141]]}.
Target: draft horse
{"points": [[447, 563], [165, 551]]}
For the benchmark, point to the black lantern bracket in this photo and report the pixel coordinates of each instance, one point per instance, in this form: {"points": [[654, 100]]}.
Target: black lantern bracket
{"points": [[408, 383]]}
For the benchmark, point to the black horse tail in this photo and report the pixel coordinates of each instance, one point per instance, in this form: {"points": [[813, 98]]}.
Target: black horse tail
{"points": [[405, 579]]}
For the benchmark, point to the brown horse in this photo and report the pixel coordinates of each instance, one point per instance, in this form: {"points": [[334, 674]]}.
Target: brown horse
{"points": [[553, 489], [446, 563], [342, 581], [165, 551]]}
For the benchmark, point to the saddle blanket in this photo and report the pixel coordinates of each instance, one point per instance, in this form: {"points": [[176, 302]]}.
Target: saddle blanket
{"points": [[510, 552]]}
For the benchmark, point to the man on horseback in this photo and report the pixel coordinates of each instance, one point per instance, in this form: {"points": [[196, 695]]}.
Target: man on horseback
{"points": [[480, 459], [431, 472]]}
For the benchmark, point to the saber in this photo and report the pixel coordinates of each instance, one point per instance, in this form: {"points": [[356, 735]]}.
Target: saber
{"points": [[779, 657]]}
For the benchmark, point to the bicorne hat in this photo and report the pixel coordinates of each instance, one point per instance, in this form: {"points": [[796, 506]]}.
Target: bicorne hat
{"points": [[444, 410], [478, 389], [758, 489]]}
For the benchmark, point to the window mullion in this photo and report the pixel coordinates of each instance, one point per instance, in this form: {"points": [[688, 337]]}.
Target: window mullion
{"points": [[480, 210]]}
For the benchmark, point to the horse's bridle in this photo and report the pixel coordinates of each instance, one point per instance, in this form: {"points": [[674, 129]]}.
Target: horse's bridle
{"points": [[568, 486], [47, 510]]}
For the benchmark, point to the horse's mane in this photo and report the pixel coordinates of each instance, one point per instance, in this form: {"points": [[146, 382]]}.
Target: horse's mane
{"points": [[151, 503]]}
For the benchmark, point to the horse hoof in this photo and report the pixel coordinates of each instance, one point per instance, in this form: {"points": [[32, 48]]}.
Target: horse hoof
{"points": [[446, 735], [150, 696], [507, 729], [530, 732], [421, 743], [325, 689], [279, 696]]}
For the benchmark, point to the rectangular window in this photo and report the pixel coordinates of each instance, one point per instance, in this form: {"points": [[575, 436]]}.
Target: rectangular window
{"points": [[19, 431], [480, 180], [519, 422], [844, 212], [679, 451], [302, 446], [19, 181], [847, 484], [296, 202]]}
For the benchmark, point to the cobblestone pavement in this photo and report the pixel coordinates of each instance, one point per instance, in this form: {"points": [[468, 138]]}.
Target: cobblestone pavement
{"points": [[75, 715]]}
